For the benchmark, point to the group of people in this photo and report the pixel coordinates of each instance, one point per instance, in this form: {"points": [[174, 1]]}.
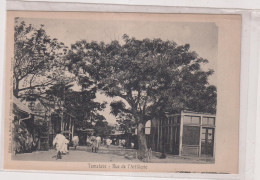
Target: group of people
{"points": [[122, 142], [61, 143], [95, 142]]}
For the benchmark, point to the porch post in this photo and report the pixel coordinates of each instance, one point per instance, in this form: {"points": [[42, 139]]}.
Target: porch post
{"points": [[200, 136], [158, 137], [72, 127], [181, 133]]}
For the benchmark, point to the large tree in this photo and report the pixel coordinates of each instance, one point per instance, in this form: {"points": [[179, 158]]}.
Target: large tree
{"points": [[37, 58], [154, 76], [40, 71], [82, 61], [101, 126], [81, 104], [149, 77]]}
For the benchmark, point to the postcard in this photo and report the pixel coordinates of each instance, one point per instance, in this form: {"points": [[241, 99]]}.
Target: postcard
{"points": [[122, 92]]}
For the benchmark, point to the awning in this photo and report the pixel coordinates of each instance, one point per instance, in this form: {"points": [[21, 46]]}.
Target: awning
{"points": [[21, 106], [117, 134], [66, 132], [85, 130]]}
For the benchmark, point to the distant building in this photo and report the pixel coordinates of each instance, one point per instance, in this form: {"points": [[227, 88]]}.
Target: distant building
{"points": [[62, 122], [83, 134], [186, 134]]}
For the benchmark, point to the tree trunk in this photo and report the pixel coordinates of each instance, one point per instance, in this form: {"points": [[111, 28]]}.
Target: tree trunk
{"points": [[16, 87], [142, 145]]}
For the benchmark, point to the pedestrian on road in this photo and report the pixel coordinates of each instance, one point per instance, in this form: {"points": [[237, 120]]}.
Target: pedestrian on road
{"points": [[123, 143], [75, 141], [98, 139], [88, 141], [108, 142], [65, 147], [93, 144], [60, 143], [132, 145]]}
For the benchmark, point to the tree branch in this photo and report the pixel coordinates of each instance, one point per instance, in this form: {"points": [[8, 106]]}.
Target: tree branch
{"points": [[39, 85]]}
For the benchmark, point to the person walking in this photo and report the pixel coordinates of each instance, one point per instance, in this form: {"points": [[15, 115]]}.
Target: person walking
{"points": [[75, 141], [60, 144], [93, 144], [98, 139], [108, 142]]}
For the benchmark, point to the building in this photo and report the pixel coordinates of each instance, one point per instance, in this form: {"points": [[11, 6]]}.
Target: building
{"points": [[22, 113], [22, 127], [185, 134], [61, 122], [41, 123], [48, 122], [83, 134]]}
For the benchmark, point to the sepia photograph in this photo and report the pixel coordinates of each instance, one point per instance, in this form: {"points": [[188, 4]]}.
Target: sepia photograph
{"points": [[122, 92]]}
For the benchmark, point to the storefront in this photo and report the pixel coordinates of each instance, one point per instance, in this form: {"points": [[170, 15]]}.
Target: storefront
{"points": [[186, 134]]}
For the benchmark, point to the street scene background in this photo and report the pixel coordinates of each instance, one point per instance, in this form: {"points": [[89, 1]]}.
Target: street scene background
{"points": [[112, 91]]}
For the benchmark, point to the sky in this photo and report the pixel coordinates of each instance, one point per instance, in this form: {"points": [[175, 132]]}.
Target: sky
{"points": [[202, 37]]}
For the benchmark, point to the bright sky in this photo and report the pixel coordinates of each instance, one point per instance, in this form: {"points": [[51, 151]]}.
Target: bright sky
{"points": [[202, 37]]}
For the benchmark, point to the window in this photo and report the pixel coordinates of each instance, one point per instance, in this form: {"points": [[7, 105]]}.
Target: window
{"points": [[187, 120], [208, 121], [170, 120], [211, 121], [191, 120], [191, 135], [176, 118], [195, 120]]}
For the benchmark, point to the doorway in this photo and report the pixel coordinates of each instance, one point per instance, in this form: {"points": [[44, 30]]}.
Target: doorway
{"points": [[207, 141]]}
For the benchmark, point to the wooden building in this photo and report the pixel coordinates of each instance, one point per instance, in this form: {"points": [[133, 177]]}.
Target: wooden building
{"points": [[22, 113], [186, 134], [22, 127]]}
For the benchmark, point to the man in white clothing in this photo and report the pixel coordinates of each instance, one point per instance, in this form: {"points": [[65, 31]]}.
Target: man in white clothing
{"points": [[108, 142], [75, 141], [60, 143], [98, 138]]}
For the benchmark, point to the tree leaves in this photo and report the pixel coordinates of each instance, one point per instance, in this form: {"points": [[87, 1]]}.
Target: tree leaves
{"points": [[143, 71], [35, 53]]}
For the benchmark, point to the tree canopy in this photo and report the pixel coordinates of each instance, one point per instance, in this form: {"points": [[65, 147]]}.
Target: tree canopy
{"points": [[40, 71], [37, 59], [151, 76]]}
